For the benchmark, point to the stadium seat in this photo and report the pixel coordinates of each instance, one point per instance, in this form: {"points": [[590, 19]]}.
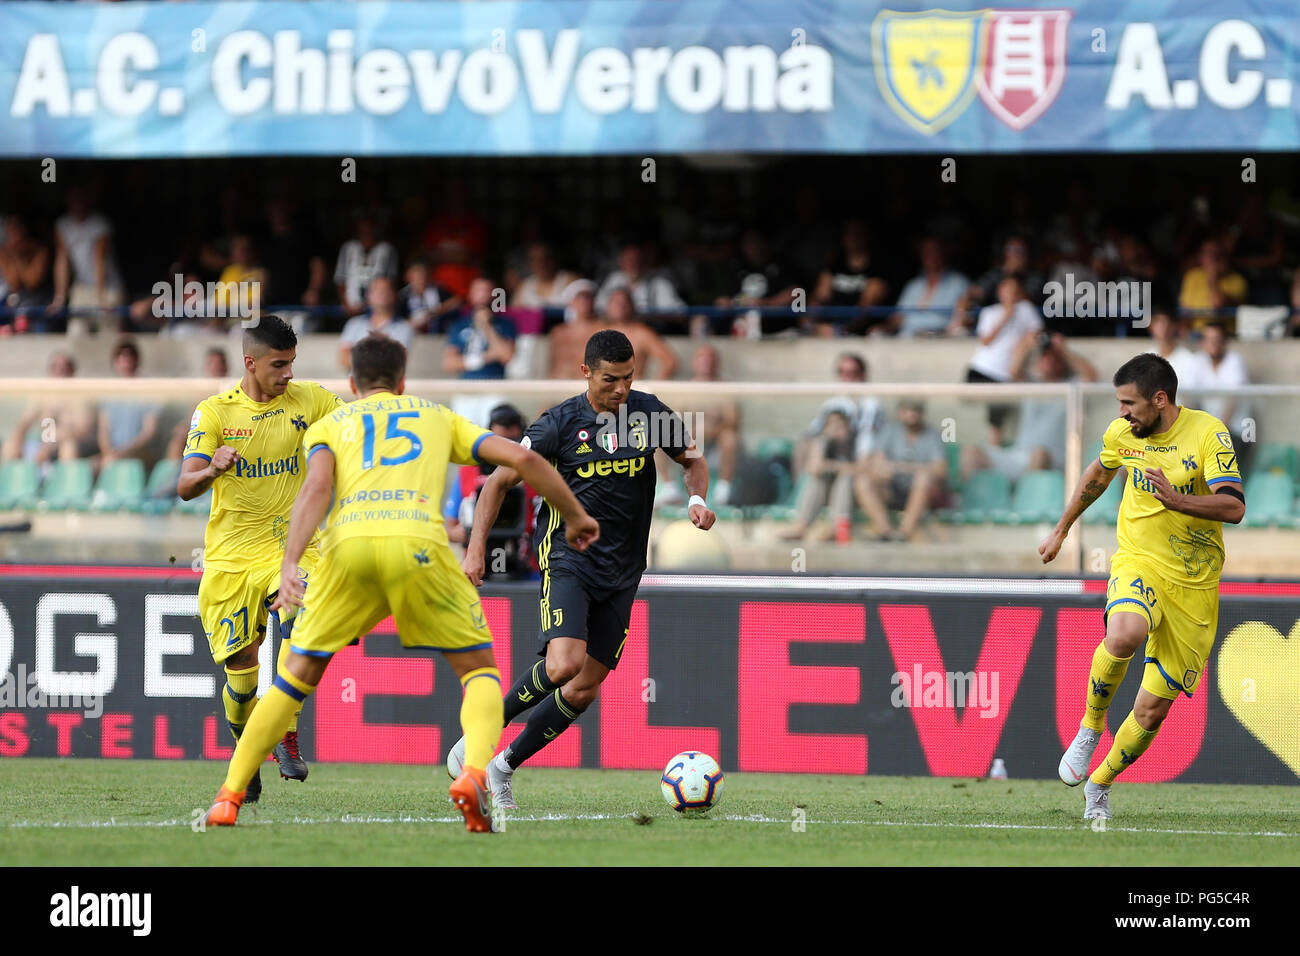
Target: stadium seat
{"points": [[1269, 501], [985, 497], [19, 481], [196, 506], [68, 487], [953, 450], [1278, 457], [1039, 496], [781, 449], [1105, 510], [120, 486], [160, 492]]}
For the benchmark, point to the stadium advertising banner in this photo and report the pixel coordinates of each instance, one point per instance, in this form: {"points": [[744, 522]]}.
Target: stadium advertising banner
{"points": [[552, 77], [932, 677]]}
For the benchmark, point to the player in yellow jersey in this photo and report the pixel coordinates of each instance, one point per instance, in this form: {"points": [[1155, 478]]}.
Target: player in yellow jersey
{"points": [[376, 469], [1182, 484], [246, 445]]}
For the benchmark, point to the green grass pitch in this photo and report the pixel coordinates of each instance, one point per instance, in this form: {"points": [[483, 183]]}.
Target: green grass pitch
{"points": [[123, 813]]}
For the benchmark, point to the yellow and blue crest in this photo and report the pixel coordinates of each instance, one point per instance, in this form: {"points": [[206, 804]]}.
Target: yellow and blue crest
{"points": [[927, 63]]}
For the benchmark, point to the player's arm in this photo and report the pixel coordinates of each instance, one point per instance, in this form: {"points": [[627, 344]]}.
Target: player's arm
{"points": [[309, 510], [1092, 485], [1227, 502], [198, 475], [696, 478], [486, 510]]}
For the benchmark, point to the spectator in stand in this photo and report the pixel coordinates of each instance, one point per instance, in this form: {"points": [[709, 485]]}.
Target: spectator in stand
{"points": [[215, 364], [829, 483], [647, 344], [927, 302], [296, 272], [1256, 244], [381, 320], [1293, 324], [481, 342], [456, 239], [568, 340], [1001, 328], [849, 281], [721, 427], [906, 472], [126, 428], [239, 293], [1040, 432], [760, 282], [1014, 261], [361, 259], [54, 424], [24, 270], [545, 284], [863, 412], [649, 291], [1167, 342], [424, 302], [462, 491], [1218, 366], [1211, 285], [86, 277]]}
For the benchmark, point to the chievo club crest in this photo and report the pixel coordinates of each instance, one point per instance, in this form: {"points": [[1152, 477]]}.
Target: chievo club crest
{"points": [[931, 65], [609, 442]]}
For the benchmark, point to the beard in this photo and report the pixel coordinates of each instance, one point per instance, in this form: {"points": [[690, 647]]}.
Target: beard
{"points": [[1140, 430]]}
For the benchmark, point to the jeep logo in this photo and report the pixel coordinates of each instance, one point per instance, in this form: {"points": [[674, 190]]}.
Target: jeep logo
{"points": [[620, 466]]}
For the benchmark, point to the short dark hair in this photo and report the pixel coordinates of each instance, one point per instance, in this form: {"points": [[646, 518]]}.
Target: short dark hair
{"points": [[1149, 373], [856, 359], [378, 362], [607, 345], [1221, 326], [506, 416], [126, 345], [269, 333]]}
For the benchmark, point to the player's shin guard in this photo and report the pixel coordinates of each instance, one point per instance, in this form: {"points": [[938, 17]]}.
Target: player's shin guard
{"points": [[548, 720], [1103, 679], [239, 697], [266, 727], [1131, 742], [529, 690], [282, 660], [480, 715]]}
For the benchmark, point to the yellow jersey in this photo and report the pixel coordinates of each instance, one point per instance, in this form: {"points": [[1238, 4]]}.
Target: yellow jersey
{"points": [[1196, 455], [390, 464], [251, 502]]}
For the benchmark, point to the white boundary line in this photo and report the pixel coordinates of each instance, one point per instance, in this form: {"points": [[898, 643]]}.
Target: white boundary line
{"points": [[800, 582], [350, 819]]}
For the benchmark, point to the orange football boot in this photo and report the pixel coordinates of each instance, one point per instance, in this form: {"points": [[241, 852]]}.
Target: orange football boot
{"points": [[470, 795], [225, 808]]}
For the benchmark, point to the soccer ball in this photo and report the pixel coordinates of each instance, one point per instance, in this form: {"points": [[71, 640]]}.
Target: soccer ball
{"points": [[692, 782]]}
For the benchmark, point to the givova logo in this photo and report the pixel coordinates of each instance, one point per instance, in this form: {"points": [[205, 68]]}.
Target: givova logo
{"points": [[76, 909]]}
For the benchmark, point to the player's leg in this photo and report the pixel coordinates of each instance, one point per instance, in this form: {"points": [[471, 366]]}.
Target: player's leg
{"points": [[226, 603], [563, 606], [343, 603], [1132, 611], [287, 752], [481, 723], [1175, 659], [294, 682]]}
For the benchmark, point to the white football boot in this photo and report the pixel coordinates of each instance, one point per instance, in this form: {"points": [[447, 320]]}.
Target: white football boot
{"points": [[456, 759], [499, 774], [1074, 764], [1096, 801]]}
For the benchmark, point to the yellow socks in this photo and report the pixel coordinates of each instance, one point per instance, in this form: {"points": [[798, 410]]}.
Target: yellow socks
{"points": [[266, 727], [481, 715], [1131, 742], [280, 664], [1103, 680], [239, 697]]}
